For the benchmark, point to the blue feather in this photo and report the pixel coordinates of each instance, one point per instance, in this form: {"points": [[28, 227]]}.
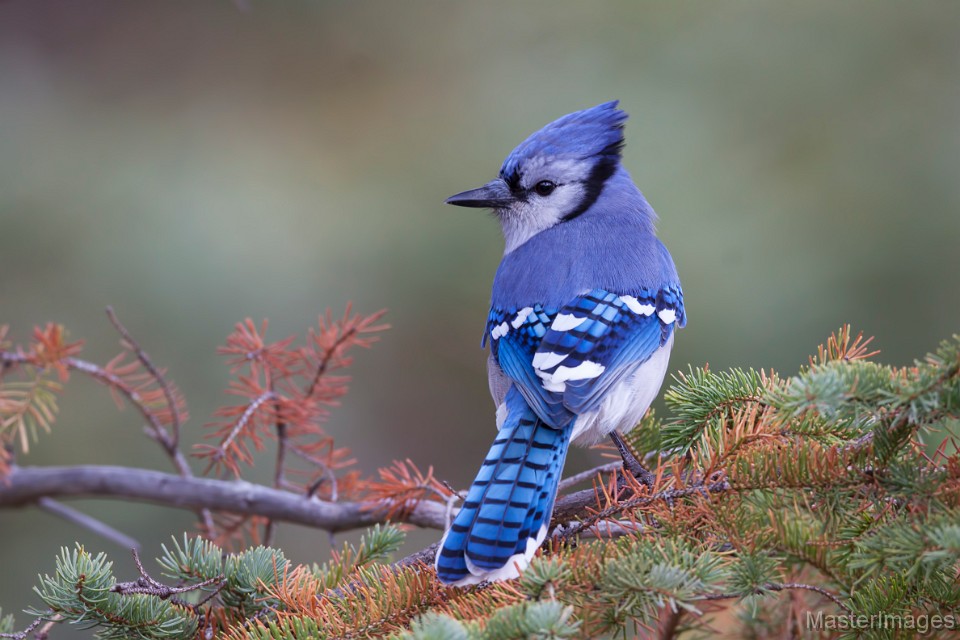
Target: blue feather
{"points": [[510, 501]]}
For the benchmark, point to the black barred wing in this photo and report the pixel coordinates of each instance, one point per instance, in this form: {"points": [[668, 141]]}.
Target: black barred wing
{"points": [[601, 336], [515, 335], [564, 361]]}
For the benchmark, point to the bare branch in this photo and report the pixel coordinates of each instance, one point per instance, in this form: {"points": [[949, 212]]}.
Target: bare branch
{"points": [[27, 485], [88, 522], [31, 485], [326, 358], [589, 474], [776, 586], [20, 635], [155, 429]]}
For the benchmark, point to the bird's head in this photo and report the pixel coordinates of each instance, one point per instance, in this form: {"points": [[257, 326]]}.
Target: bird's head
{"points": [[555, 175]]}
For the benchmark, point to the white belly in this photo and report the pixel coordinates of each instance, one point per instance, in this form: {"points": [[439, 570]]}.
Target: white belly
{"points": [[624, 405]]}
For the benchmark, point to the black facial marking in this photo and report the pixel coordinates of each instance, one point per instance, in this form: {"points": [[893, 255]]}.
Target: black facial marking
{"points": [[513, 180], [601, 172]]}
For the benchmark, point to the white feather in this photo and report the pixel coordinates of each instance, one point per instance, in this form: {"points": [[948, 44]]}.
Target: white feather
{"points": [[583, 371], [549, 384], [565, 322], [667, 316], [521, 317], [515, 564], [499, 331], [548, 360], [634, 305]]}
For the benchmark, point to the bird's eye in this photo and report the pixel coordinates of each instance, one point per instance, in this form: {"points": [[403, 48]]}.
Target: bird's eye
{"points": [[544, 188]]}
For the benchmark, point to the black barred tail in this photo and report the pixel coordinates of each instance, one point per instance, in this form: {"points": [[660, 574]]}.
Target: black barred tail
{"points": [[505, 517]]}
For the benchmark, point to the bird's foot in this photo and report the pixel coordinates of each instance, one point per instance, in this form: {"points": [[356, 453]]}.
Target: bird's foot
{"points": [[630, 462]]}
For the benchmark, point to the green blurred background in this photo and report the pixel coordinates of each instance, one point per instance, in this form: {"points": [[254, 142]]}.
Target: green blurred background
{"points": [[194, 163]]}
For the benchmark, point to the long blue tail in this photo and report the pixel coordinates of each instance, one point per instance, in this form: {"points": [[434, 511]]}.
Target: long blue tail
{"points": [[507, 511]]}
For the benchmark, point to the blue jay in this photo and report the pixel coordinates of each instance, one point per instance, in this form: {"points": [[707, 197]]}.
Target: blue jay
{"points": [[584, 306]]}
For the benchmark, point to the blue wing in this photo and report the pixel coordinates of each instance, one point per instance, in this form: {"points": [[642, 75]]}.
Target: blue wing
{"points": [[563, 361], [515, 335]]}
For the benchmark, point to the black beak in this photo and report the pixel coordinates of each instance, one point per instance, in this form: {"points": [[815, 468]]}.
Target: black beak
{"points": [[493, 195]]}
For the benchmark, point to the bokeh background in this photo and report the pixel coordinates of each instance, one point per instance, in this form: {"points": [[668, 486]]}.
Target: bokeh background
{"points": [[195, 163]]}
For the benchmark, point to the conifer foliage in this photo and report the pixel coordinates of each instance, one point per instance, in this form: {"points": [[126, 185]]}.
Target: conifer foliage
{"points": [[821, 504]]}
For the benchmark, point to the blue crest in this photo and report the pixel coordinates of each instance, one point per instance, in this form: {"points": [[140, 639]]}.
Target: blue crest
{"points": [[594, 132]]}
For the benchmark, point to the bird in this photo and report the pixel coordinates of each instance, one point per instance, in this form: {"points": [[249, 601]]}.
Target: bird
{"points": [[583, 311]]}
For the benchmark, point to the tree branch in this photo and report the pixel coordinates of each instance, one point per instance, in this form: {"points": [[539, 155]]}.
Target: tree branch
{"points": [[28, 485], [38, 485], [87, 522], [589, 474]]}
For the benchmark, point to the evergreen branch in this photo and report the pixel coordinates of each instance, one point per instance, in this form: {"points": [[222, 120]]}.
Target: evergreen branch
{"points": [[814, 483], [27, 485], [81, 590]]}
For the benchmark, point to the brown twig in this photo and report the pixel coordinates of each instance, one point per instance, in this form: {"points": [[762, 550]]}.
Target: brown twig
{"points": [[242, 422], [668, 495], [327, 358], [328, 474], [176, 420], [147, 585], [279, 479], [669, 623], [50, 618], [776, 586], [169, 440]]}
